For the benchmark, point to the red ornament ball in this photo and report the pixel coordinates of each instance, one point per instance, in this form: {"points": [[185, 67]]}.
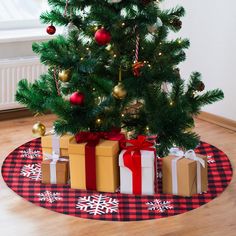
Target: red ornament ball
{"points": [[51, 29], [102, 37], [77, 98]]}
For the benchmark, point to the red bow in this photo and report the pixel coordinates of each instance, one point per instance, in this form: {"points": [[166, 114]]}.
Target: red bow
{"points": [[132, 160], [92, 139]]}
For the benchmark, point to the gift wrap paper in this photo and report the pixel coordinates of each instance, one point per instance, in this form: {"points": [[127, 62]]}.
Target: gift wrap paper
{"points": [[47, 143], [186, 176], [107, 175]]}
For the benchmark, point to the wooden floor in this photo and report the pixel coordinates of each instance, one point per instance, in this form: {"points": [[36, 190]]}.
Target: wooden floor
{"points": [[19, 217]]}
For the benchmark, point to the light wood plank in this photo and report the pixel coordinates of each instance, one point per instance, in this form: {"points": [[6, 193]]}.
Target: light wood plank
{"points": [[19, 217]]}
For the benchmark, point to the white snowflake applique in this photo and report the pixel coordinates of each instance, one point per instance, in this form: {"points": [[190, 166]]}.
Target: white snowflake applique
{"points": [[210, 160], [159, 174], [32, 171], [50, 197], [97, 204], [160, 206], [30, 153]]}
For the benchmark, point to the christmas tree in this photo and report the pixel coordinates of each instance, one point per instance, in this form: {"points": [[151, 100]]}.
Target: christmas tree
{"points": [[114, 67]]}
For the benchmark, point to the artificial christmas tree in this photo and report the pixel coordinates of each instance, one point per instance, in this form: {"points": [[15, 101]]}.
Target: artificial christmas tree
{"points": [[115, 43]]}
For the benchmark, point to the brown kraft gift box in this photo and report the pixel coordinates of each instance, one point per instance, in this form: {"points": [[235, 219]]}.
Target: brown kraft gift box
{"points": [[62, 172], [107, 169], [186, 176], [46, 142]]}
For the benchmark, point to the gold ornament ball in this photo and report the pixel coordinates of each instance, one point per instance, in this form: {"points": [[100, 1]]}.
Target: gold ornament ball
{"points": [[39, 129], [65, 75], [119, 91]]}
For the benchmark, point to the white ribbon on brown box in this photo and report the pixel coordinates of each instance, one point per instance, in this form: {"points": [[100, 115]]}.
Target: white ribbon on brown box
{"points": [[55, 157], [190, 154]]}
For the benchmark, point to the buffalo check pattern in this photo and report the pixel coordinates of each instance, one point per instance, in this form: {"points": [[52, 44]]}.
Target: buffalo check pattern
{"points": [[112, 206]]}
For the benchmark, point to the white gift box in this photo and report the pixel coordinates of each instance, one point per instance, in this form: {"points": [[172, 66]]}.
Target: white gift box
{"points": [[148, 174]]}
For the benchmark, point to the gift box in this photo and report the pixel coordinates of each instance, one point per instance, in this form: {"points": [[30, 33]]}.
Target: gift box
{"points": [[184, 175], [55, 171], [57, 144], [138, 168], [94, 165]]}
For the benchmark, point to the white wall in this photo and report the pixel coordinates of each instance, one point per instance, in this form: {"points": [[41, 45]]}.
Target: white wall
{"points": [[211, 27]]}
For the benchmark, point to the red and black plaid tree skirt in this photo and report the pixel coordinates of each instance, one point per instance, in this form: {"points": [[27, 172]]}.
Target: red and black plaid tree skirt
{"points": [[22, 173]]}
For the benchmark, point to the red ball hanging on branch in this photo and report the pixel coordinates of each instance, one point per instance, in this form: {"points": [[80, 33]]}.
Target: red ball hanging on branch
{"points": [[51, 29], [102, 37], [77, 98]]}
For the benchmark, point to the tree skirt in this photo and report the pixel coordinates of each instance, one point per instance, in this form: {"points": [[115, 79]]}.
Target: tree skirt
{"points": [[22, 173]]}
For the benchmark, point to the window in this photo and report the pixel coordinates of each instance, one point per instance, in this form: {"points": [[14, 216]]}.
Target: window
{"points": [[21, 14]]}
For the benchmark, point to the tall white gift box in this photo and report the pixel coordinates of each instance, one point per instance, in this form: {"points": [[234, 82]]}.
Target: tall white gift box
{"points": [[148, 170]]}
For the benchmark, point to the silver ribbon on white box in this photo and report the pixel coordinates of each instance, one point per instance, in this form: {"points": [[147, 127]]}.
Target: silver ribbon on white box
{"points": [[190, 154]]}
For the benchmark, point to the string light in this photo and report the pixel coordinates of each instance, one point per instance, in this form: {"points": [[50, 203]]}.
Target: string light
{"points": [[108, 47], [122, 115], [160, 54], [179, 41], [98, 121]]}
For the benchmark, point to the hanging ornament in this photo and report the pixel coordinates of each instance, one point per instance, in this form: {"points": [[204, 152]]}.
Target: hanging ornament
{"points": [[119, 91], [154, 28], [102, 37], [65, 75], [55, 75], [51, 29], [133, 109], [39, 129], [137, 65], [136, 68], [177, 23], [201, 87], [77, 98]]}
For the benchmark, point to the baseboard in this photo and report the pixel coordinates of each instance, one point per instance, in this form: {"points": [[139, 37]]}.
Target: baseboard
{"points": [[218, 120], [14, 113]]}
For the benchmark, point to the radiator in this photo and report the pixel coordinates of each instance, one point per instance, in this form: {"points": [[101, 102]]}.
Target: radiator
{"points": [[11, 72]]}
